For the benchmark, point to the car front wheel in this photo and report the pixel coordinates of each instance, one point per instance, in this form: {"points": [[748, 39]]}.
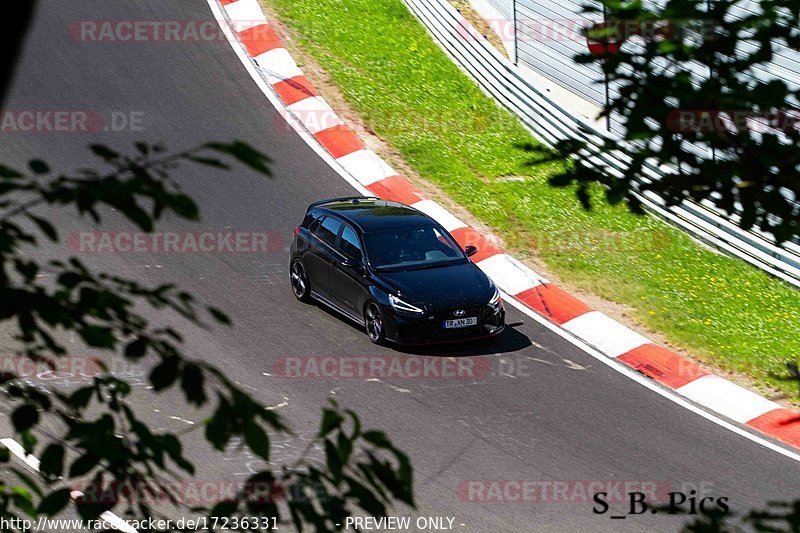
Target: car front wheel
{"points": [[373, 321]]}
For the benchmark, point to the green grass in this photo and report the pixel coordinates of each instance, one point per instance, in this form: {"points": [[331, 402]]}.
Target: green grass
{"points": [[392, 73]]}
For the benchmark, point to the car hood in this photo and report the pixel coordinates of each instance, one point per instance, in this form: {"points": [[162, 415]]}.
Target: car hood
{"points": [[442, 287]]}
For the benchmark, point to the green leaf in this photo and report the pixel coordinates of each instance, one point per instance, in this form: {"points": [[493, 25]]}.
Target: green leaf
{"points": [[330, 420], [164, 374], [136, 348], [333, 460], [7, 172], [28, 441], [90, 507], [104, 152], [46, 227], [379, 439], [245, 154], [193, 384], [216, 432], [224, 508], [83, 465], [80, 398], [208, 161], [184, 206], [219, 316], [69, 279], [257, 440], [23, 500], [29, 481], [366, 498], [97, 336], [25, 417], [345, 446], [51, 462], [54, 502], [38, 166]]}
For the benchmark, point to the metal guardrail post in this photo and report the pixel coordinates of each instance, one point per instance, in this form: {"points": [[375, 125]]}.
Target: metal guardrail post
{"points": [[514, 17]]}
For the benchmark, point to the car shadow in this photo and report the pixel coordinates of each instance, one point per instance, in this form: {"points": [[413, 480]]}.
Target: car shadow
{"points": [[510, 340]]}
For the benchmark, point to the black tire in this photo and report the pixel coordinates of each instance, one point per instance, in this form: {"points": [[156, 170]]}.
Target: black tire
{"points": [[301, 288], [374, 323]]}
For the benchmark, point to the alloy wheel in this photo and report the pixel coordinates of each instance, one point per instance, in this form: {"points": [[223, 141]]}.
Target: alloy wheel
{"points": [[299, 281], [374, 323]]}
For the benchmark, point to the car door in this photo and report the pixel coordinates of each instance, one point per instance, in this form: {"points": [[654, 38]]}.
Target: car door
{"points": [[347, 280], [322, 254]]}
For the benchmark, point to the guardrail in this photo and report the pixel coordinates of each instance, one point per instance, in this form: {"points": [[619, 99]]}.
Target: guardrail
{"points": [[550, 123]]}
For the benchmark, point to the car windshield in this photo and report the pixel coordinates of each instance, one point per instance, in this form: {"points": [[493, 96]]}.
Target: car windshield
{"points": [[411, 249]]}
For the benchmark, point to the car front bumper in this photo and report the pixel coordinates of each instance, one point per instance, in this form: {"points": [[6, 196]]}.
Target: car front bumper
{"points": [[428, 329]]}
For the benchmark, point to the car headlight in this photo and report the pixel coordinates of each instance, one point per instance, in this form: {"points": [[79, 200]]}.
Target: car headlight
{"points": [[496, 301], [405, 307]]}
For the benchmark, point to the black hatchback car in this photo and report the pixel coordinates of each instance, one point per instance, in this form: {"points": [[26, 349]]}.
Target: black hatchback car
{"points": [[394, 270]]}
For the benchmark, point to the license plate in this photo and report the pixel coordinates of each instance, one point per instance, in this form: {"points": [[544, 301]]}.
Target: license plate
{"points": [[460, 322]]}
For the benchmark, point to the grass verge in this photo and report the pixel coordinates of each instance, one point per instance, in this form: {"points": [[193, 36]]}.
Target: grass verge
{"points": [[410, 94]]}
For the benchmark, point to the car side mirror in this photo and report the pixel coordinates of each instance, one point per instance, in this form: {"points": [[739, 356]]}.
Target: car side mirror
{"points": [[471, 250]]}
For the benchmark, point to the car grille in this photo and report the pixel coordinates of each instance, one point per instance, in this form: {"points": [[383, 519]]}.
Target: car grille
{"points": [[478, 311]]}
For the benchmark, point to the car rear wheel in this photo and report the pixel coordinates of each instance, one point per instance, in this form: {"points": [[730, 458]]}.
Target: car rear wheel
{"points": [[373, 321], [300, 285]]}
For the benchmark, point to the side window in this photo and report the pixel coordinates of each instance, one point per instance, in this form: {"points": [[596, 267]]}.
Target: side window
{"points": [[446, 245], [349, 244], [313, 227], [311, 219], [327, 230]]}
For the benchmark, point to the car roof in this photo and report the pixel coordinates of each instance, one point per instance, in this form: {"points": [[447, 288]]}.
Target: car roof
{"points": [[373, 214]]}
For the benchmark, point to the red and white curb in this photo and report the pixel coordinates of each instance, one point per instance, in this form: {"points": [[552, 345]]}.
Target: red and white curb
{"points": [[311, 115]]}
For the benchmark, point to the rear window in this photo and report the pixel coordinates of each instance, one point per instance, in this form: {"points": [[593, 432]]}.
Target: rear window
{"points": [[327, 230]]}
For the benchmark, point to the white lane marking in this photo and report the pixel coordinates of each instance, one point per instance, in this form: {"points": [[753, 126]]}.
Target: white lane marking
{"points": [[365, 166], [276, 102], [630, 373], [284, 403], [727, 398], [506, 274], [605, 333], [439, 214], [18, 451]]}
